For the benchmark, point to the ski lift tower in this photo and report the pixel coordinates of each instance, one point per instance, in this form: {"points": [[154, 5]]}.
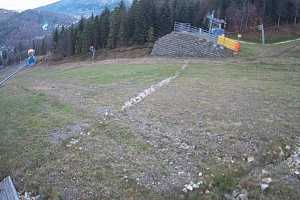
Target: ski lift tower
{"points": [[216, 26]]}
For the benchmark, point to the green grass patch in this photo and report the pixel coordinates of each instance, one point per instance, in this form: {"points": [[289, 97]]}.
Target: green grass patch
{"points": [[26, 118], [108, 74], [249, 50]]}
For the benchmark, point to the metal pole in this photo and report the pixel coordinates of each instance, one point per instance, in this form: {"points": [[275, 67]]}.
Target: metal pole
{"points": [[263, 34], [10, 76]]}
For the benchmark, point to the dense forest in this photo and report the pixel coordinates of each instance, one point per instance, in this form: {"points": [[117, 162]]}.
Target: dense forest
{"points": [[146, 20]]}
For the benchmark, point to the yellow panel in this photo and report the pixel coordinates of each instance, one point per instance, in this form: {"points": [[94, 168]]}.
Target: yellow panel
{"points": [[229, 43]]}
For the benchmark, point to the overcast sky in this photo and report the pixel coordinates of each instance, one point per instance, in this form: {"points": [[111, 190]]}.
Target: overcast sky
{"points": [[23, 4]]}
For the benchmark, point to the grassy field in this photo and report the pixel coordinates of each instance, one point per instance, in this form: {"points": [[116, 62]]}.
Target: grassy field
{"points": [[235, 121], [272, 34]]}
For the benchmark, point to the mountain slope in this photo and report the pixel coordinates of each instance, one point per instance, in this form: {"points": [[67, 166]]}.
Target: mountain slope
{"points": [[28, 25], [6, 14], [78, 8]]}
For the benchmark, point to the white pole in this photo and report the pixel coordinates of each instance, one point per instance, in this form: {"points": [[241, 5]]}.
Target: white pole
{"points": [[263, 34]]}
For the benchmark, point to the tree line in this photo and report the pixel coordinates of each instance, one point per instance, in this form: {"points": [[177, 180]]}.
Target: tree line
{"points": [[147, 20]]}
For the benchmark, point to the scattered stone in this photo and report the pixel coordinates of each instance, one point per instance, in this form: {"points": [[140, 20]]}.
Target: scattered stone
{"points": [[242, 197], [267, 180], [74, 141], [153, 88], [250, 159], [29, 196], [264, 172], [57, 136], [191, 186], [265, 183], [180, 173], [200, 174], [237, 195], [281, 153], [184, 146], [26, 196], [296, 158], [297, 173], [264, 186], [104, 112]]}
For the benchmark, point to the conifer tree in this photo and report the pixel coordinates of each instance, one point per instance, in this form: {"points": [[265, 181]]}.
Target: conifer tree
{"points": [[55, 38], [166, 23]]}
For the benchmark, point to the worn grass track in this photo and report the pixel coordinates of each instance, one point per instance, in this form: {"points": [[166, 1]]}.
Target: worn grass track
{"points": [[63, 133]]}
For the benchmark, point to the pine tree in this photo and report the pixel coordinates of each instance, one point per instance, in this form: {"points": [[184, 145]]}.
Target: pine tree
{"points": [[123, 29], [113, 29], [55, 38], [118, 25], [165, 24], [139, 24], [132, 17], [104, 28]]}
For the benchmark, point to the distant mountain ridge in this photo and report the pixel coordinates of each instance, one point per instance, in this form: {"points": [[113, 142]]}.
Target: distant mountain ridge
{"points": [[78, 8], [28, 25], [6, 14]]}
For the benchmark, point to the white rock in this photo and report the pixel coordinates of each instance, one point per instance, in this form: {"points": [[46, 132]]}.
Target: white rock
{"points": [[250, 159], [200, 182], [264, 186], [26, 196], [196, 186], [180, 173], [281, 152], [267, 180], [74, 141], [189, 187], [200, 174]]}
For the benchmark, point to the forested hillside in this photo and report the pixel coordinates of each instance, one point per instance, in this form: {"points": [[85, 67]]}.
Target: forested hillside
{"points": [[6, 14], [25, 26], [147, 20], [80, 8]]}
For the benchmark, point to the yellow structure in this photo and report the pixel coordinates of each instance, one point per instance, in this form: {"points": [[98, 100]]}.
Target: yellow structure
{"points": [[229, 43]]}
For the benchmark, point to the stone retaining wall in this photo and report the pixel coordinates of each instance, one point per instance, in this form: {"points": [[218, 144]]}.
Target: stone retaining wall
{"points": [[187, 45]]}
